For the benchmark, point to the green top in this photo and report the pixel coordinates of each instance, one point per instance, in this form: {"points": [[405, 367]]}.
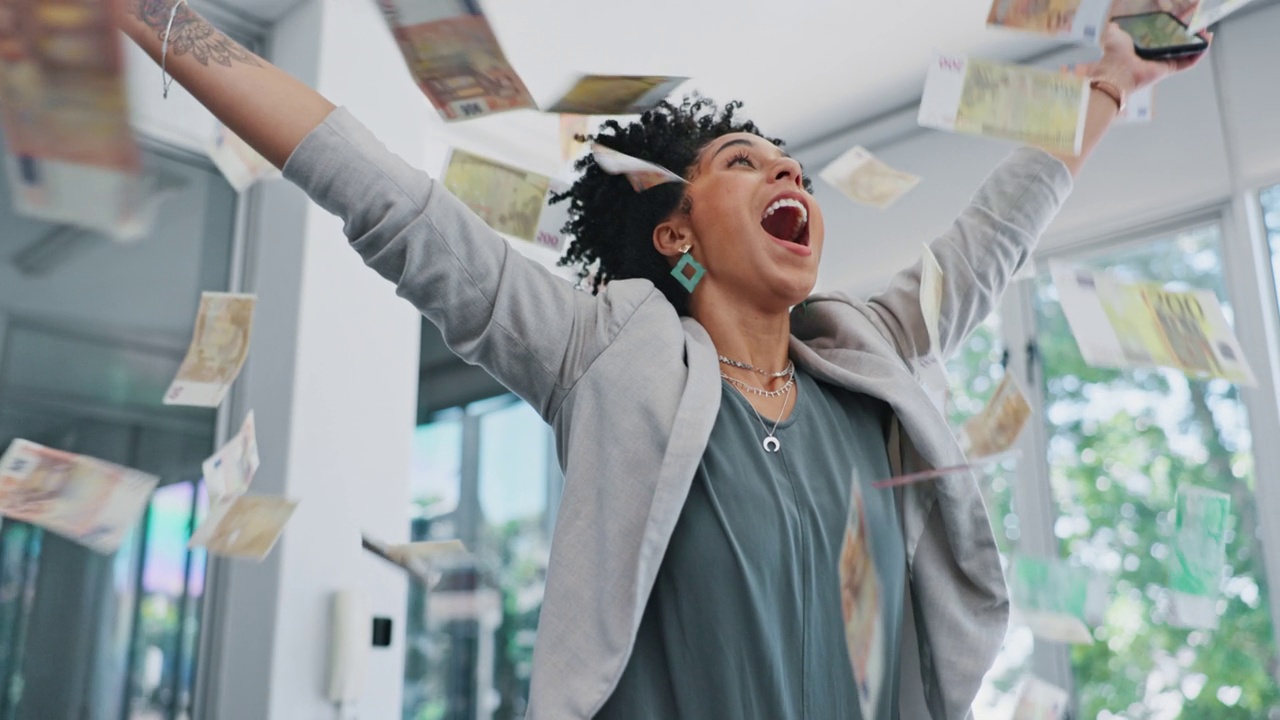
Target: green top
{"points": [[744, 620]]}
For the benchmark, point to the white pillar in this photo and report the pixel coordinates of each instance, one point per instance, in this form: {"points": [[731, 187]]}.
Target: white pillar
{"points": [[332, 376]]}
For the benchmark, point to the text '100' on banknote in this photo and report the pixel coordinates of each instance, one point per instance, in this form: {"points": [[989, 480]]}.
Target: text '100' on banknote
{"points": [[1028, 105]]}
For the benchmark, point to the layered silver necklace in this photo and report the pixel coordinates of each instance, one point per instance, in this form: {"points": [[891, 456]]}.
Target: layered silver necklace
{"points": [[770, 443]]}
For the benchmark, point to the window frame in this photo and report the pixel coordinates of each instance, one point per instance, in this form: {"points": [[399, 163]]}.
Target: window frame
{"points": [[1255, 303]]}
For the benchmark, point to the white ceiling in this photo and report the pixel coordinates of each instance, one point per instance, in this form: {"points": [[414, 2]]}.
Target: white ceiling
{"points": [[805, 69]]}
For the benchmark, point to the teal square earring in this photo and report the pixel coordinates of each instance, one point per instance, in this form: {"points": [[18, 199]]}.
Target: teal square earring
{"points": [[688, 281]]}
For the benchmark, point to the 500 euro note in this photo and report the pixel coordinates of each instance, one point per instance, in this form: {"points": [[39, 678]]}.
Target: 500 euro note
{"points": [[1012, 102], [1123, 325], [89, 501], [71, 153], [1079, 20], [219, 347], [455, 57]]}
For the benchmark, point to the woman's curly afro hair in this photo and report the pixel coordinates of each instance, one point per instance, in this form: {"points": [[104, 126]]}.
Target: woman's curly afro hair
{"points": [[611, 224]]}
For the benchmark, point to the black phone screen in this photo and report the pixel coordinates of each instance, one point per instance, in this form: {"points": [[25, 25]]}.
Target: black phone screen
{"points": [[1158, 30]]}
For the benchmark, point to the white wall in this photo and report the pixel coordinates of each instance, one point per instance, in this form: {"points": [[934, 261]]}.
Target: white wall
{"points": [[333, 381], [1139, 173]]}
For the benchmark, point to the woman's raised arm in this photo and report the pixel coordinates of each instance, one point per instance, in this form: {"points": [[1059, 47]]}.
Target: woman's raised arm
{"points": [[267, 107]]}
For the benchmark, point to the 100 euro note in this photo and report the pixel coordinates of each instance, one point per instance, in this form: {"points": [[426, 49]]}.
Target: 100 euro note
{"points": [[866, 179], [92, 502], [1078, 20], [860, 603], [455, 57], [1120, 324], [1056, 600], [71, 153], [1199, 556], [244, 526], [219, 347], [1011, 102]]}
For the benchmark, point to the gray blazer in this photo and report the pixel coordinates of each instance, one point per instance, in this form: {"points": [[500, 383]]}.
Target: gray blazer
{"points": [[632, 390]]}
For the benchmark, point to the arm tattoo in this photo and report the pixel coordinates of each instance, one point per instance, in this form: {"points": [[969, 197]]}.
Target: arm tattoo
{"points": [[192, 34]]}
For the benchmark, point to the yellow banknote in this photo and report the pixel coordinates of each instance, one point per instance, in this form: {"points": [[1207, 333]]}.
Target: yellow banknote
{"points": [[867, 180], [1034, 106], [616, 94], [89, 501], [995, 429], [509, 199], [219, 347], [246, 526]]}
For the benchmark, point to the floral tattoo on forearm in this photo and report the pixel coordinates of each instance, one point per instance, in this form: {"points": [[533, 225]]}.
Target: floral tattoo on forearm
{"points": [[192, 34]]}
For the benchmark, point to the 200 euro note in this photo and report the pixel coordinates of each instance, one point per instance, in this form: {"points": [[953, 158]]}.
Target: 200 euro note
{"points": [[1199, 556], [1054, 599], [551, 222], [1038, 700], [996, 427], [1120, 324], [1079, 20], [860, 601], [455, 57], [1209, 12], [71, 153], [616, 94], [244, 526], [1028, 105], [240, 164], [219, 347], [89, 501], [230, 470], [866, 179], [508, 199]]}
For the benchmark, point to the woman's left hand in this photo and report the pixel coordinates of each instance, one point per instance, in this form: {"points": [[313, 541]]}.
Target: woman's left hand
{"points": [[1120, 62]]}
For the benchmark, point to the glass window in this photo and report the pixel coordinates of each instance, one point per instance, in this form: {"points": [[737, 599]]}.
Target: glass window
{"points": [[1270, 200], [1120, 444], [485, 474], [91, 333]]}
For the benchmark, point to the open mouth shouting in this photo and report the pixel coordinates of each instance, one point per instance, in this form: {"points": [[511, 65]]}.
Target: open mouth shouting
{"points": [[787, 220]]}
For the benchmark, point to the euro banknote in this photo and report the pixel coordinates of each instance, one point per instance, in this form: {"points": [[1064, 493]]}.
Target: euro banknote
{"points": [[860, 602], [1122, 324], [219, 347], [89, 501], [865, 179], [1056, 600], [1039, 700], [1012, 102], [1077, 20], [642, 174], [996, 427], [1199, 558], [1209, 12], [455, 57], [616, 94], [243, 526], [239, 163], [71, 156], [228, 472]]}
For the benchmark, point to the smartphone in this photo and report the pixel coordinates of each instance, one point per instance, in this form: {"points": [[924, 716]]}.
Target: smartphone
{"points": [[1161, 36]]}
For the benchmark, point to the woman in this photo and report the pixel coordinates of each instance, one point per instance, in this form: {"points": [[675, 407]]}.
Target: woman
{"points": [[707, 433]]}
